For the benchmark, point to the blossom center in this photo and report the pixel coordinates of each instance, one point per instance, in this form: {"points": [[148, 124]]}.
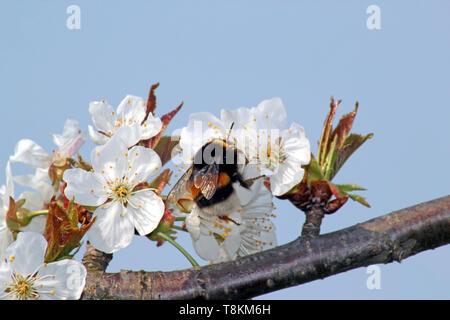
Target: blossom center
{"points": [[124, 122], [121, 191], [272, 154], [22, 287]]}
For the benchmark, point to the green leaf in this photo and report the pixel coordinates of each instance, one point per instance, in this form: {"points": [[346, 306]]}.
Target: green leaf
{"points": [[330, 161], [72, 214], [359, 199], [326, 132], [91, 209], [314, 170], [348, 187], [351, 144]]}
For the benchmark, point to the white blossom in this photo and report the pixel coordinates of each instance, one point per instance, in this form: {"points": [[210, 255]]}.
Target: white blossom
{"points": [[33, 155], [24, 274], [33, 201], [261, 134], [69, 142], [279, 151], [244, 231], [127, 121], [6, 191], [110, 187]]}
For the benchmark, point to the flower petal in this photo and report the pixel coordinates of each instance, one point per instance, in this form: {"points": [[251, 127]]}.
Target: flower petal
{"points": [[246, 195], [129, 134], [35, 200], [71, 140], [96, 136], [86, 187], [9, 188], [110, 159], [132, 110], [111, 231], [270, 114], [202, 127], [61, 280], [193, 223], [297, 153], [143, 163], [5, 273], [258, 235], [26, 254], [240, 117], [103, 116], [147, 210], [31, 154], [36, 225], [232, 243], [207, 247], [35, 180], [6, 238], [151, 127], [287, 176], [296, 144]]}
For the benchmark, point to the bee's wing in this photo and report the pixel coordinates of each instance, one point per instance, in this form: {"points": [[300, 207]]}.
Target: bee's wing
{"points": [[181, 187], [206, 180]]}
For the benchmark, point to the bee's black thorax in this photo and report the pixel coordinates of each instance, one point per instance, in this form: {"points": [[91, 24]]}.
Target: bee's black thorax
{"points": [[225, 158]]}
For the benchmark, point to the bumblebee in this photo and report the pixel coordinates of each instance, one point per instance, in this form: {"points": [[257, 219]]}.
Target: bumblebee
{"points": [[212, 178]]}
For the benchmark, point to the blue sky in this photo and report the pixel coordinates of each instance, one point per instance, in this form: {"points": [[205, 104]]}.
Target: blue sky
{"points": [[217, 54]]}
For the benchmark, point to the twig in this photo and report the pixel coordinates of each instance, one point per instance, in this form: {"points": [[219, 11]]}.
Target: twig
{"points": [[96, 260]]}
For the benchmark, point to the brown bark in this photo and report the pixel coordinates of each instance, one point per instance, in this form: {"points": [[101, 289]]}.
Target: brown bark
{"points": [[313, 221], [389, 238], [96, 260]]}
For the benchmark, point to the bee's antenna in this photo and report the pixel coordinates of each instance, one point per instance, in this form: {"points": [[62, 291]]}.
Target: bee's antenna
{"points": [[229, 131]]}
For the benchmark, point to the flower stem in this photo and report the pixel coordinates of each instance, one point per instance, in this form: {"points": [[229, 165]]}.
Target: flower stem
{"points": [[180, 218], [178, 228], [180, 248], [40, 212]]}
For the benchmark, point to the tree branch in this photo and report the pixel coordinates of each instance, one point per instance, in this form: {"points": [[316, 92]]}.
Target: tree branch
{"points": [[313, 221], [389, 238], [94, 259]]}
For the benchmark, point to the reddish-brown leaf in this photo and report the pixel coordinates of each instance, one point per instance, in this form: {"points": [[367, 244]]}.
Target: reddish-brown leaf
{"points": [[161, 181], [335, 205], [165, 147], [326, 131], [351, 144], [14, 219], [344, 126], [62, 231], [151, 101], [165, 119]]}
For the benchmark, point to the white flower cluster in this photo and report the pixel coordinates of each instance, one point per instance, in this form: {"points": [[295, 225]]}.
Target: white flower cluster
{"points": [[110, 186], [115, 188], [118, 167], [271, 149], [261, 133], [24, 274]]}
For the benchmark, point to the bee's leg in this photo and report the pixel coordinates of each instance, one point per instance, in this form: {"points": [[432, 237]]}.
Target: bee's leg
{"points": [[249, 182], [245, 183]]}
